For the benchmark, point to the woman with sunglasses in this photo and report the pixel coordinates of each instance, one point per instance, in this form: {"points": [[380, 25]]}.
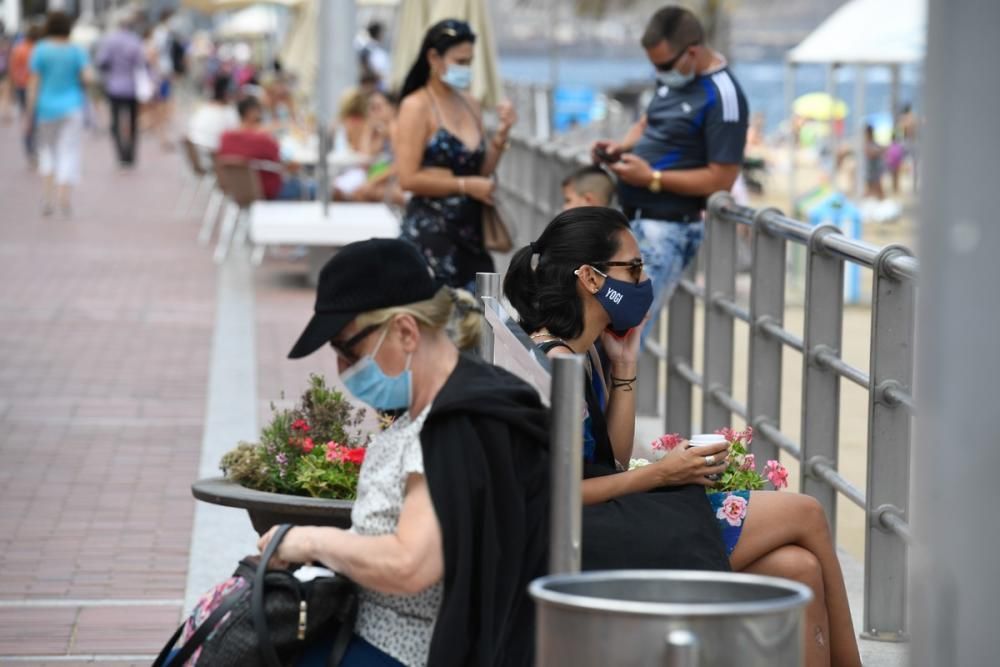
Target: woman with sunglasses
{"points": [[449, 525], [444, 157], [582, 282]]}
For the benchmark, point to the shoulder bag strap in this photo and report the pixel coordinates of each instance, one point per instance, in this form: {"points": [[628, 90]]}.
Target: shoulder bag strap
{"points": [[268, 653], [199, 636]]}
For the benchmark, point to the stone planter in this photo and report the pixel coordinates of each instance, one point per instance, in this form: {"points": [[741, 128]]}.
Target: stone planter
{"points": [[270, 509]]}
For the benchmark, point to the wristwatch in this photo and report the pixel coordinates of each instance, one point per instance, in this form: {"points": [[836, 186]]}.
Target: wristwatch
{"points": [[655, 185]]}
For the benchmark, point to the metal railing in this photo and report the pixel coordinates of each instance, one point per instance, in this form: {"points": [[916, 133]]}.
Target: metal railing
{"points": [[889, 379]]}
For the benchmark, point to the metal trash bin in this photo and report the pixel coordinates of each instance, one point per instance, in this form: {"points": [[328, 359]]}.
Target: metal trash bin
{"points": [[672, 618]]}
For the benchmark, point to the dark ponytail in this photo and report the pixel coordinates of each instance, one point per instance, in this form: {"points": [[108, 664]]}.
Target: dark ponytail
{"points": [[544, 295], [441, 36]]}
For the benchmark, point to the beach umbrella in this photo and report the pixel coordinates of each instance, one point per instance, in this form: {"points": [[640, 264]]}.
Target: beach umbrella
{"points": [[819, 106], [300, 54], [417, 15]]}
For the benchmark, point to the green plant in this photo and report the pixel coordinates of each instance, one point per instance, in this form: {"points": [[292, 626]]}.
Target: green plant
{"points": [[313, 449]]}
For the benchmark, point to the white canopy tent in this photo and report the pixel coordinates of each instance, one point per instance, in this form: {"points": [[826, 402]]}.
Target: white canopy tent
{"points": [[861, 33]]}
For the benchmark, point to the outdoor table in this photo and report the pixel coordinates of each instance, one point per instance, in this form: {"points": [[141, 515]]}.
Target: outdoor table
{"points": [[301, 223]]}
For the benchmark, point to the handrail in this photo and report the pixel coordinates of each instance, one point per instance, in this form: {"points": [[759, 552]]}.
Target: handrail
{"points": [[888, 381]]}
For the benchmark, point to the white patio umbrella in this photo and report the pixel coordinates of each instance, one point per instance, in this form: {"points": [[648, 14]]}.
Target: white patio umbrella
{"points": [[418, 15]]}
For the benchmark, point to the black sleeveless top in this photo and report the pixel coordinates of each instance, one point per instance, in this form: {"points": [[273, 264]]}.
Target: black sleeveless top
{"points": [[671, 527]]}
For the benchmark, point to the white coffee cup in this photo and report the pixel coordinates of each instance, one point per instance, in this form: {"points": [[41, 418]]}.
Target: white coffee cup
{"points": [[705, 440]]}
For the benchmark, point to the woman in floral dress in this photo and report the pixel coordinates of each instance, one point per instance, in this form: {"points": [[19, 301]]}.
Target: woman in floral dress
{"points": [[583, 280], [444, 158]]}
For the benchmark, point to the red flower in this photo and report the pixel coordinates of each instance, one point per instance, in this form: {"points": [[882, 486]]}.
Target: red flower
{"points": [[356, 455], [307, 445], [300, 425], [667, 442]]}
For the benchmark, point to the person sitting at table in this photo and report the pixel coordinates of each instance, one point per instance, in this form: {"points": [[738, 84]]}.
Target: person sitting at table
{"points": [[381, 184], [280, 112], [252, 142], [214, 117]]}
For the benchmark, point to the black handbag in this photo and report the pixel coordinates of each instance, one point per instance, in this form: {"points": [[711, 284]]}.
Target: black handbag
{"points": [[271, 621]]}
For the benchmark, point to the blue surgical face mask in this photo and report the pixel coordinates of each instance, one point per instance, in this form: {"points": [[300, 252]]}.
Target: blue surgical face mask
{"points": [[458, 76], [626, 303], [369, 383]]}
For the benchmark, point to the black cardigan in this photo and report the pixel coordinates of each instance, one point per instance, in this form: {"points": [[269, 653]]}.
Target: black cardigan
{"points": [[485, 448]]}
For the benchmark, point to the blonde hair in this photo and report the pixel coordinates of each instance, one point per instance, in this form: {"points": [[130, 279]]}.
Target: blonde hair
{"points": [[453, 310]]}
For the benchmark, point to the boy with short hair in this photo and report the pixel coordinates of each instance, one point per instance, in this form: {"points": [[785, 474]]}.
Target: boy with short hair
{"points": [[588, 186]]}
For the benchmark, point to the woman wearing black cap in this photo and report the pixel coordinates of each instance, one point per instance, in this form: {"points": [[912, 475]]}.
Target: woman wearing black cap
{"points": [[450, 521], [444, 157]]}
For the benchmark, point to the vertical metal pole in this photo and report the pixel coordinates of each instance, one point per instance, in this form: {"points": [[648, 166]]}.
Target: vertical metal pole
{"points": [[821, 385], [956, 457], [832, 139], [720, 281], [487, 284], [767, 305], [888, 449], [12, 15], [566, 458], [337, 73], [894, 94], [793, 138], [860, 81], [680, 348]]}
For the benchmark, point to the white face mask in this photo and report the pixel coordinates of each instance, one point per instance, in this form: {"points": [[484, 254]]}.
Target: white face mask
{"points": [[458, 76], [675, 79]]}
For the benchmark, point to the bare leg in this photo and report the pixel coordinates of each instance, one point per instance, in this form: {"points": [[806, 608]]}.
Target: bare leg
{"points": [[798, 564], [775, 519], [48, 194]]}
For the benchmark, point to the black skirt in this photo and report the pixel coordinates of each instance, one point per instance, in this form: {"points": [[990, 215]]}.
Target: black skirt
{"points": [[670, 528]]}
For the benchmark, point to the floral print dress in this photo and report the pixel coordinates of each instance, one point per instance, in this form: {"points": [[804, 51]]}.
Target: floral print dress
{"points": [[730, 509], [448, 231]]}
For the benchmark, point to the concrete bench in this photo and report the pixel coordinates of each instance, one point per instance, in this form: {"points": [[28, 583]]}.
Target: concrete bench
{"points": [[304, 224]]}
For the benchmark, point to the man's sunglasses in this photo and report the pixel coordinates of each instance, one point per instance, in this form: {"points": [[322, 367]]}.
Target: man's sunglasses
{"points": [[669, 65], [345, 349], [634, 267]]}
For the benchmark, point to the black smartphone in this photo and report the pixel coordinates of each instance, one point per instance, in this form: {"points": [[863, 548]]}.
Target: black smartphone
{"points": [[606, 157]]}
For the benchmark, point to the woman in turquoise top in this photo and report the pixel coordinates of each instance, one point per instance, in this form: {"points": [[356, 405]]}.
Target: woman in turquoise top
{"points": [[56, 99]]}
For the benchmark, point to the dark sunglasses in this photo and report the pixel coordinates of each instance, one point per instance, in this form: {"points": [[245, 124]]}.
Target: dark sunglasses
{"points": [[634, 267], [345, 349], [669, 65]]}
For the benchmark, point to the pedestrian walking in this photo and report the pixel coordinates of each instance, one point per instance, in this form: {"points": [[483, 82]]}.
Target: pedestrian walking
{"points": [[20, 76], [120, 59], [56, 101], [687, 145]]}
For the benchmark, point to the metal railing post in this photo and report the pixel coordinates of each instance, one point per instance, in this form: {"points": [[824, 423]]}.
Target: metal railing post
{"points": [[889, 421], [566, 461], [720, 281], [487, 284], [680, 350], [824, 306], [767, 306]]}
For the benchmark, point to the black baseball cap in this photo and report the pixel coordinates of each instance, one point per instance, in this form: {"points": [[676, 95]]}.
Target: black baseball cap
{"points": [[361, 277]]}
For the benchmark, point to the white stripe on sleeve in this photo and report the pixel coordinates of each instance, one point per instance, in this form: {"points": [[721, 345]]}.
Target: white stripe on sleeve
{"points": [[727, 93]]}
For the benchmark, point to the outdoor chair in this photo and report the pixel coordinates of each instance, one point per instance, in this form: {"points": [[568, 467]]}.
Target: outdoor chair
{"points": [[240, 183], [200, 179]]}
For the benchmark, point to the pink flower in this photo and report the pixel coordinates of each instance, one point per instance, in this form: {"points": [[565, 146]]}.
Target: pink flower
{"points": [[729, 434], [777, 474], [300, 425], [307, 445], [333, 452], [667, 442], [748, 462], [748, 435], [733, 509]]}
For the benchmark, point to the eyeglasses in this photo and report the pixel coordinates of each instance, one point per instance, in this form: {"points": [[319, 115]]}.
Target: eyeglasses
{"points": [[346, 348], [669, 65], [634, 267]]}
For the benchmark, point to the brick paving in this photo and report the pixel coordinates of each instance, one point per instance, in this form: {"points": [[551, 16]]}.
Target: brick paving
{"points": [[105, 330]]}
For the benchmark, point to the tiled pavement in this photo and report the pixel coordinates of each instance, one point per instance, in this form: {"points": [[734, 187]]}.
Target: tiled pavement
{"points": [[106, 323]]}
